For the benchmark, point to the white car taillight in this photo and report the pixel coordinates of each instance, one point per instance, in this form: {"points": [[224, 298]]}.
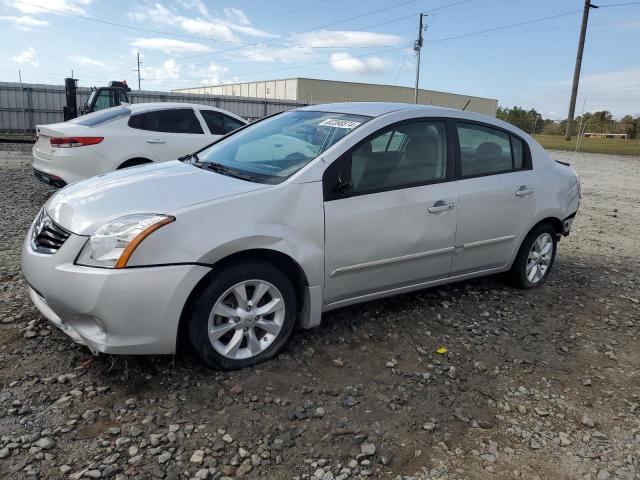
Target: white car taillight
{"points": [[69, 142]]}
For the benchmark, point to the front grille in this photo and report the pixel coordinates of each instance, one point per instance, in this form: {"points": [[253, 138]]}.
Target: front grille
{"points": [[47, 236]]}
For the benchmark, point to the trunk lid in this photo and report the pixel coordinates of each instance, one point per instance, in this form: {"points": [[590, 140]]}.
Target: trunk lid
{"points": [[42, 148]]}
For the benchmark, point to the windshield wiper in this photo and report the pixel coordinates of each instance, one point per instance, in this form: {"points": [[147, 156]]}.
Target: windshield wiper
{"points": [[224, 170]]}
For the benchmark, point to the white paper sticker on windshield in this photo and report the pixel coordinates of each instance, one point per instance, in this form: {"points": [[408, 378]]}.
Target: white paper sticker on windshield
{"points": [[334, 122]]}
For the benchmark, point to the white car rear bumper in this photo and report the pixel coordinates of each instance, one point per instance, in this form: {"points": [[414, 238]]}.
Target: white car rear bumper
{"points": [[71, 164]]}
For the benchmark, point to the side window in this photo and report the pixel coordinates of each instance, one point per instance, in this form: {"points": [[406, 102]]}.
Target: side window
{"points": [[483, 150], [103, 101], [219, 123], [177, 120], [231, 124], [517, 147], [413, 154]]}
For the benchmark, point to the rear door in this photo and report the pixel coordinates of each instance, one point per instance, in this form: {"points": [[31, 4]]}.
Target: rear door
{"points": [[170, 133], [498, 196]]}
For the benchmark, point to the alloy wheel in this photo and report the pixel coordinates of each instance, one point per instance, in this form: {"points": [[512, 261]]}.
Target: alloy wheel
{"points": [[539, 258], [246, 319]]}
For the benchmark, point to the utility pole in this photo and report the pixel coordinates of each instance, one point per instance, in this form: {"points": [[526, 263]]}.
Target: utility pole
{"points": [[576, 72], [138, 69], [417, 46]]}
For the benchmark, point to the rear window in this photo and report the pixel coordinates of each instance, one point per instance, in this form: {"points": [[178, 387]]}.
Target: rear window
{"points": [[175, 120], [103, 116]]}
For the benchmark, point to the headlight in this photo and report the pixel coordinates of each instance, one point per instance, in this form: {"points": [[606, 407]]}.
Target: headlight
{"points": [[113, 243]]}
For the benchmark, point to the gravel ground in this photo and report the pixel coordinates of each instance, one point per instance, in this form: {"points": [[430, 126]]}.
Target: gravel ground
{"points": [[541, 384]]}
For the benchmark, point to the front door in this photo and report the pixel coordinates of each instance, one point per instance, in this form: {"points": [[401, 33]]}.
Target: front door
{"points": [[390, 211], [497, 197]]}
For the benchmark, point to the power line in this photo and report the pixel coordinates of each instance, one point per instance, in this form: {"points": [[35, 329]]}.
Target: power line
{"points": [[455, 37], [618, 4], [322, 37], [503, 27]]}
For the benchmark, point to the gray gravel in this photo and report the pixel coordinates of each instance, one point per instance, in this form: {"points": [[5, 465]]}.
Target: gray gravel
{"points": [[541, 384]]}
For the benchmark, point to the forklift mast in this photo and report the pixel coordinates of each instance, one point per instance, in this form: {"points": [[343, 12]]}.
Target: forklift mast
{"points": [[70, 111]]}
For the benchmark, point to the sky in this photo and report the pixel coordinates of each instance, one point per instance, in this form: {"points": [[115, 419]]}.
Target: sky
{"points": [[521, 52]]}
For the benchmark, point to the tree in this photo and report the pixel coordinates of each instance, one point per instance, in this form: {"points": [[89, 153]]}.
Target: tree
{"points": [[527, 120], [630, 126]]}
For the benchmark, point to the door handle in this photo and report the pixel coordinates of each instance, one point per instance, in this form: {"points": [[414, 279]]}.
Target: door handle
{"points": [[523, 191], [440, 206], [155, 140]]}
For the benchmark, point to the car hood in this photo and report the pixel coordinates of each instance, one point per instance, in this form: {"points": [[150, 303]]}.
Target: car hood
{"points": [[160, 188]]}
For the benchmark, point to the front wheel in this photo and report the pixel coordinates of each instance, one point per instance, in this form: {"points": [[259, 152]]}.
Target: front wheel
{"points": [[535, 257], [244, 316]]}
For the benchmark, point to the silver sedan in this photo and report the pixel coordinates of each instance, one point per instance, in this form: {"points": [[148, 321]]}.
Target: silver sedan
{"points": [[289, 217]]}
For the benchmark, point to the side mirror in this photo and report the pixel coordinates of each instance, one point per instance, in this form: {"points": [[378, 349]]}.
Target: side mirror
{"points": [[343, 184]]}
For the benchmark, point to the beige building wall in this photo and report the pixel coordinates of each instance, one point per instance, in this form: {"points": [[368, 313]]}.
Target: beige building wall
{"points": [[328, 91]]}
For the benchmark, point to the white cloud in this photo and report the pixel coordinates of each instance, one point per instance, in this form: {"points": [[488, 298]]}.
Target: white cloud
{"points": [[169, 45], [171, 74], [169, 71], [616, 91], [197, 5], [214, 74], [218, 28], [236, 15], [205, 27], [27, 56], [346, 63], [344, 39], [24, 22], [265, 53], [251, 31], [67, 6], [86, 61]]}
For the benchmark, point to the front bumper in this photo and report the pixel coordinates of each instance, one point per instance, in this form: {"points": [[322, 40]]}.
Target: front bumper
{"points": [[128, 311]]}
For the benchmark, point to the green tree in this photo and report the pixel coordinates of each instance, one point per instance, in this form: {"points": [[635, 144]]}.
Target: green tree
{"points": [[630, 125], [526, 120]]}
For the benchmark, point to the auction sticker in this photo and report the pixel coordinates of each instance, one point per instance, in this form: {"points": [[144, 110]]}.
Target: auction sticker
{"points": [[334, 122]]}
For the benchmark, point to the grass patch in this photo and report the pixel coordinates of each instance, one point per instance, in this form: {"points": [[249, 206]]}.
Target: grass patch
{"points": [[611, 146]]}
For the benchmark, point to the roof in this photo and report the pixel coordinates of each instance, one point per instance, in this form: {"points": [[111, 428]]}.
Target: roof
{"points": [[148, 106], [157, 105], [371, 109], [325, 80]]}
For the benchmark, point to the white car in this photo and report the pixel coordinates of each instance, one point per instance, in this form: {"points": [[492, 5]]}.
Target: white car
{"points": [[125, 136], [292, 216]]}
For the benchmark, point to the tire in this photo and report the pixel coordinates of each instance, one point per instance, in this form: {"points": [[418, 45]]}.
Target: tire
{"points": [[240, 335], [525, 278]]}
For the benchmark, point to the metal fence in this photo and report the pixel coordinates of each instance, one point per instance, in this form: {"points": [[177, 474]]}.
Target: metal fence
{"points": [[23, 106]]}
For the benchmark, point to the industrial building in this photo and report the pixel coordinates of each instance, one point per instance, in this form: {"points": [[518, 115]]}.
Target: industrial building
{"points": [[316, 91]]}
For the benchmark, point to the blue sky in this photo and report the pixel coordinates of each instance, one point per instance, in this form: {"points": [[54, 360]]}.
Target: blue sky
{"points": [[186, 43]]}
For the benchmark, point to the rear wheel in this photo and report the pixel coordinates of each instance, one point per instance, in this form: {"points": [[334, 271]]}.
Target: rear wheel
{"points": [[244, 316], [535, 257]]}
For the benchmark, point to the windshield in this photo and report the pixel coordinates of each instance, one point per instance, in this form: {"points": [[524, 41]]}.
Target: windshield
{"points": [[275, 148]]}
